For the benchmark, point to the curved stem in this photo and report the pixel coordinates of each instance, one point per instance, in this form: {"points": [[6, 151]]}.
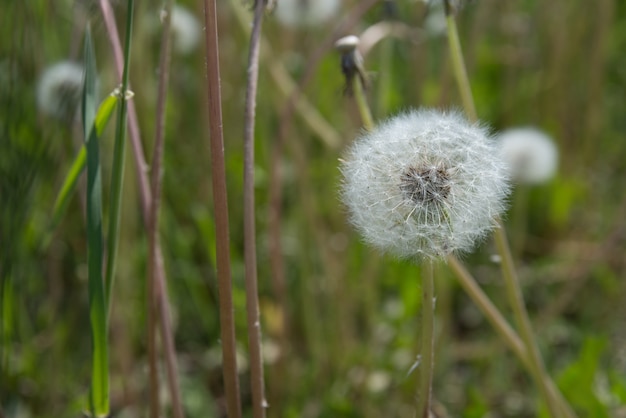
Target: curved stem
{"points": [[556, 403], [556, 406]]}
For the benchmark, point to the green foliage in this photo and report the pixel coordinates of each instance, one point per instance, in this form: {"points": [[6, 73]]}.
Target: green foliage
{"points": [[350, 313]]}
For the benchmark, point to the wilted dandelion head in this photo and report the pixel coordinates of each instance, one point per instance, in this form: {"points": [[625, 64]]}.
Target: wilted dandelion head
{"points": [[186, 30], [298, 13], [59, 89], [424, 183], [531, 155]]}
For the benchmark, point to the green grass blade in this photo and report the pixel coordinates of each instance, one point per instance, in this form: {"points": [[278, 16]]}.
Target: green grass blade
{"points": [[99, 394], [69, 184], [119, 155]]}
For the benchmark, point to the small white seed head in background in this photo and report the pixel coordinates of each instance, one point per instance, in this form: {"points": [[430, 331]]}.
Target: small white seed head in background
{"points": [[424, 184], [306, 13], [59, 90], [531, 155], [186, 30]]}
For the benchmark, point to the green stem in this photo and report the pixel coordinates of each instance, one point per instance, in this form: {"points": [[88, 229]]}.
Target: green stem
{"points": [[458, 66], [427, 343], [516, 300], [498, 322], [361, 101], [119, 155], [556, 403]]}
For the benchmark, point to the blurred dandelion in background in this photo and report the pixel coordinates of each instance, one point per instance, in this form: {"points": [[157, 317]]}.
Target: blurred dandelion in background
{"points": [[424, 183], [531, 155], [186, 30], [297, 13], [59, 90]]}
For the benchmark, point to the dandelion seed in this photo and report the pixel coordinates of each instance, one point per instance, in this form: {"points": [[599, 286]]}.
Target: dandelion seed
{"points": [[307, 13], [531, 155], [59, 90], [424, 184]]}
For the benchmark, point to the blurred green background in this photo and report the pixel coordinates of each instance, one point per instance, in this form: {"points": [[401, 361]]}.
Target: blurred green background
{"points": [[340, 322]]}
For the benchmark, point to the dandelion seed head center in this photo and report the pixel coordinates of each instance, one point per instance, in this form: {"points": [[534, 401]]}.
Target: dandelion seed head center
{"points": [[427, 184]]}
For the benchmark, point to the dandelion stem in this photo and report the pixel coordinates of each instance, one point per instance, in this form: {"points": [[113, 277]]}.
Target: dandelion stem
{"points": [[252, 297], [361, 101], [218, 170], [493, 315], [555, 401], [556, 404], [458, 64], [427, 343]]}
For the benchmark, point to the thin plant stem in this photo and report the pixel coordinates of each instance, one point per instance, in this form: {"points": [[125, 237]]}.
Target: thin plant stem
{"points": [[556, 403], [498, 322], [427, 343], [119, 156], [133, 122], [218, 171], [516, 300], [458, 64], [146, 202], [153, 230], [252, 298], [358, 90], [493, 315]]}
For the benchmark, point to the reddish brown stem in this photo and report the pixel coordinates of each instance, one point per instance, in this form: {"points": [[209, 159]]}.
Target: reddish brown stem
{"points": [[218, 171]]}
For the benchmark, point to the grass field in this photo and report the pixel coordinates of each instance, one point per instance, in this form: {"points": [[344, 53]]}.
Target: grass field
{"points": [[341, 323]]}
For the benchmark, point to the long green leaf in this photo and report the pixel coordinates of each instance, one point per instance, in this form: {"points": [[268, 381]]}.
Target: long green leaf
{"points": [[99, 394], [69, 184]]}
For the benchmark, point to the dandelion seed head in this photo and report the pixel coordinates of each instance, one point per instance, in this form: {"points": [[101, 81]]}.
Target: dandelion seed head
{"points": [[186, 30], [424, 184], [531, 155], [307, 13], [59, 89]]}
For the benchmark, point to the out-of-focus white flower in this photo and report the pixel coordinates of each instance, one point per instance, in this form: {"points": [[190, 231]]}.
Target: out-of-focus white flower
{"points": [[435, 23], [531, 155], [186, 30], [59, 89], [378, 381], [425, 183], [307, 13]]}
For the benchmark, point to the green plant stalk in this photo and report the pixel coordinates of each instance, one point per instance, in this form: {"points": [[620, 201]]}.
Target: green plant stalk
{"points": [[496, 319], [427, 343], [361, 101], [252, 296], [556, 404], [458, 66], [220, 198], [99, 391], [119, 155]]}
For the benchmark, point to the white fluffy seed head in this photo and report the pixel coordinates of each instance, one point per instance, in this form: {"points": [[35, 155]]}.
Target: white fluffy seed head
{"points": [[59, 89], [307, 13], [186, 30], [424, 184], [531, 155]]}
